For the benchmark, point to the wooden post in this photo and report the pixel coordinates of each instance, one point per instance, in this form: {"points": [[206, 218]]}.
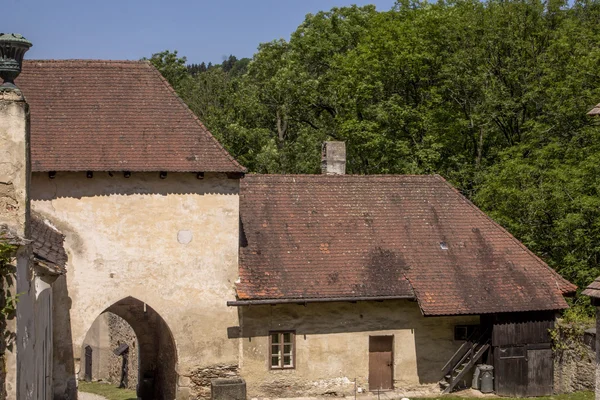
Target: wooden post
{"points": [[597, 352], [593, 290]]}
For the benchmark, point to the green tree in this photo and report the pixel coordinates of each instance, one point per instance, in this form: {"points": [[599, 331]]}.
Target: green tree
{"points": [[491, 95]]}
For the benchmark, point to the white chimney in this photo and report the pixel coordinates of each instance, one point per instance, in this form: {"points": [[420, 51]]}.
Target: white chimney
{"points": [[333, 158]]}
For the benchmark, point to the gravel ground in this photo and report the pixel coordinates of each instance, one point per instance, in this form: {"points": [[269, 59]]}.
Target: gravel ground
{"points": [[89, 396]]}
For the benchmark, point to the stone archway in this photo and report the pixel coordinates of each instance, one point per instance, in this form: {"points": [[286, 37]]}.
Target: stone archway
{"points": [[157, 377]]}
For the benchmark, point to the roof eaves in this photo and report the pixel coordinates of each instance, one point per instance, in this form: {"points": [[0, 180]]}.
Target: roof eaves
{"points": [[248, 302]]}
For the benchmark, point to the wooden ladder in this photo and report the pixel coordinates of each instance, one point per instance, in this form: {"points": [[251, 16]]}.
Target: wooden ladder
{"points": [[464, 360]]}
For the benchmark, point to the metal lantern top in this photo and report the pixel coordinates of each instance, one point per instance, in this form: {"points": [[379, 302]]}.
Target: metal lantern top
{"points": [[12, 49]]}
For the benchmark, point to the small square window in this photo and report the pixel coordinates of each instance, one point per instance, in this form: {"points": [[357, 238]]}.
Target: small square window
{"points": [[464, 332], [282, 350]]}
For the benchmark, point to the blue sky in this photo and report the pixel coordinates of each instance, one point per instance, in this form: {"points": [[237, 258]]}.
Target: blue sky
{"points": [[202, 30]]}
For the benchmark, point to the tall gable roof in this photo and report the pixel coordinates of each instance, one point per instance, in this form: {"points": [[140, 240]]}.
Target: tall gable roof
{"points": [[320, 237], [89, 115]]}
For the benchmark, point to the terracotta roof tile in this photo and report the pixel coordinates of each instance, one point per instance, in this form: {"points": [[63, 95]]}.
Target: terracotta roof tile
{"points": [[89, 115], [47, 244], [323, 236]]}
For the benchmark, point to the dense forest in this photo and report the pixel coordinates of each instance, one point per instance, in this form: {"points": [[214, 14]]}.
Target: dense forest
{"points": [[491, 95]]}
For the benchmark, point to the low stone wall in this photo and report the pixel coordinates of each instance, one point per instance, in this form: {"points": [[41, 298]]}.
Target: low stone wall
{"points": [[201, 377], [574, 365]]}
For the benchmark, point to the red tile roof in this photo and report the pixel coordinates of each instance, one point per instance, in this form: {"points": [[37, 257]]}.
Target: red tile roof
{"points": [[114, 116], [321, 236]]}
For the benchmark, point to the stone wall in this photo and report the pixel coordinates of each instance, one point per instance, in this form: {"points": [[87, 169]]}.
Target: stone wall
{"points": [[121, 332], [201, 378], [574, 365]]}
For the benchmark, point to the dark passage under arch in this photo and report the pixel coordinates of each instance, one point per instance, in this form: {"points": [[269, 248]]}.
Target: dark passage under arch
{"points": [[157, 351]]}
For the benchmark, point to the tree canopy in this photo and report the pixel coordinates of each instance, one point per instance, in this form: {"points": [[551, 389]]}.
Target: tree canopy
{"points": [[492, 95]]}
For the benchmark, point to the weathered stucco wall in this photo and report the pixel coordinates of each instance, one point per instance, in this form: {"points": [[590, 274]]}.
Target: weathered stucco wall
{"points": [[98, 338], [171, 243], [22, 375], [332, 346]]}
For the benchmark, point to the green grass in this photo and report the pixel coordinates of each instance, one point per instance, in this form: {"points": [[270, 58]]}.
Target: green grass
{"points": [[111, 392], [571, 396]]}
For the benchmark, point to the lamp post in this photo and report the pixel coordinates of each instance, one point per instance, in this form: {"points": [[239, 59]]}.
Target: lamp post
{"points": [[12, 49], [593, 290]]}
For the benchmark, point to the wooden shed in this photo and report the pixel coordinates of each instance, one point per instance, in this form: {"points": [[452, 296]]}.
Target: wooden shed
{"points": [[517, 345]]}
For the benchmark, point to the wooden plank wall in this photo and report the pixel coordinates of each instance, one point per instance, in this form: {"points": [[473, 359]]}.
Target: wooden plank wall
{"points": [[521, 333], [522, 355]]}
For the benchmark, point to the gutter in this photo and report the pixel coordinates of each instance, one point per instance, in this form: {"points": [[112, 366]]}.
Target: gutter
{"points": [[238, 303]]}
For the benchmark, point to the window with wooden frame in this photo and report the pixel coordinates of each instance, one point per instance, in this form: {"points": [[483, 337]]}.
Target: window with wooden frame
{"points": [[282, 350], [463, 332]]}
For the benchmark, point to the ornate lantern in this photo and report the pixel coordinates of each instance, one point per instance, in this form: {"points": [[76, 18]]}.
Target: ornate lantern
{"points": [[12, 49]]}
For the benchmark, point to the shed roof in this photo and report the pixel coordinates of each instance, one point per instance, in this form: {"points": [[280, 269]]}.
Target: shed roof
{"points": [[321, 237], [47, 244], [89, 115], [593, 289]]}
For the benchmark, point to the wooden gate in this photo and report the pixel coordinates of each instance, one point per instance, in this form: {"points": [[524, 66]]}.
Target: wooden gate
{"points": [[511, 371], [88, 363], [381, 363], [539, 362], [522, 353], [43, 343]]}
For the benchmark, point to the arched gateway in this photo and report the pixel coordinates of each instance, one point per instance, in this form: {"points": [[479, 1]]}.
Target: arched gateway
{"points": [[157, 378]]}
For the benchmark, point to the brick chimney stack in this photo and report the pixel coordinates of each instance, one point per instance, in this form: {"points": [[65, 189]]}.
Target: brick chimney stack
{"points": [[333, 158]]}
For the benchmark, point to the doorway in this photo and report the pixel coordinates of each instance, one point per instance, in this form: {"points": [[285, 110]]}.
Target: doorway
{"points": [[381, 363], [88, 363]]}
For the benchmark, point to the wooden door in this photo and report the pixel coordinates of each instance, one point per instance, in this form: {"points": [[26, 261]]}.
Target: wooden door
{"points": [[43, 344], [510, 371], [540, 371], [381, 363], [88, 363]]}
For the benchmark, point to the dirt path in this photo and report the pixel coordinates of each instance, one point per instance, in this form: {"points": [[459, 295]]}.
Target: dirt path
{"points": [[89, 396]]}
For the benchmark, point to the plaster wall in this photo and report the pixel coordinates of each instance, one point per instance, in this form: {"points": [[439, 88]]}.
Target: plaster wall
{"points": [[170, 243], [98, 338], [20, 380], [332, 346]]}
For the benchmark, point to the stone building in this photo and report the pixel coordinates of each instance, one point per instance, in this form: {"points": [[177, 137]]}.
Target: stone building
{"points": [[302, 285]]}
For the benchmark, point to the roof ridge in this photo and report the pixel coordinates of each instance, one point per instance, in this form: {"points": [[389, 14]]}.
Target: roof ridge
{"points": [[218, 145], [90, 60], [340, 176], [510, 235]]}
